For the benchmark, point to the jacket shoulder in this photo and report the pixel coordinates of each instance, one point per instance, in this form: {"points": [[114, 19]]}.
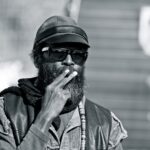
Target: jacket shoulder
{"points": [[18, 111], [12, 99]]}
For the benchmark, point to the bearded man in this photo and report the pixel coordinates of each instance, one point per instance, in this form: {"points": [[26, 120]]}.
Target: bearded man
{"points": [[50, 111]]}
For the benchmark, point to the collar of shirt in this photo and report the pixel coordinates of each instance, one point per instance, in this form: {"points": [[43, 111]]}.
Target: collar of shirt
{"points": [[73, 123], [71, 129]]}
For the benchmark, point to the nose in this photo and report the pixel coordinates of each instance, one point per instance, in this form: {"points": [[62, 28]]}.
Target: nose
{"points": [[68, 61]]}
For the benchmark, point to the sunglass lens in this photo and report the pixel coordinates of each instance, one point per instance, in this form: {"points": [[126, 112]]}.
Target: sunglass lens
{"points": [[79, 58], [57, 56]]}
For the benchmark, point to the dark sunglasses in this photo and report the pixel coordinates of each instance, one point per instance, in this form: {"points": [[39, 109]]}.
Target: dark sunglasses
{"points": [[60, 54]]}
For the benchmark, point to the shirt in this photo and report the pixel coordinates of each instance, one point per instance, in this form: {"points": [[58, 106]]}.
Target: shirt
{"points": [[70, 139]]}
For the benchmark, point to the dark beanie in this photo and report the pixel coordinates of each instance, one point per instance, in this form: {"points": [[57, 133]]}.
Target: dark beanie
{"points": [[60, 29]]}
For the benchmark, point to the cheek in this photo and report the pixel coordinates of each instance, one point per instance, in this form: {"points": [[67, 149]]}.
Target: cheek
{"points": [[56, 65], [78, 68]]}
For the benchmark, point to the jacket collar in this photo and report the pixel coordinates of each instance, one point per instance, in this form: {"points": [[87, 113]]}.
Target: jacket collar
{"points": [[30, 90]]}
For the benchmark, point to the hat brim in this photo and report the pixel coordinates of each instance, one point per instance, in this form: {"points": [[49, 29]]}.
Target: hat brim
{"points": [[65, 38]]}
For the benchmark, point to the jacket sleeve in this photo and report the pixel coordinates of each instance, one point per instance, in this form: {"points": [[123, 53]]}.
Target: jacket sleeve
{"points": [[34, 139], [117, 134]]}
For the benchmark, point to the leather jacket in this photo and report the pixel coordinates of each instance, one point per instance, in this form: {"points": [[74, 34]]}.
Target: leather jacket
{"points": [[21, 114]]}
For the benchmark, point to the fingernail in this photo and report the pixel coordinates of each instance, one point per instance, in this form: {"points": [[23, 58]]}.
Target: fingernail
{"points": [[67, 71], [75, 73]]}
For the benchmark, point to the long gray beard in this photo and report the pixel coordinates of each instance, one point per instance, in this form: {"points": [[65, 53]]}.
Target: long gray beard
{"points": [[48, 73]]}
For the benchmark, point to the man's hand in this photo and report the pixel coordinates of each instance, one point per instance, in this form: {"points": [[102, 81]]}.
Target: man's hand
{"points": [[54, 100]]}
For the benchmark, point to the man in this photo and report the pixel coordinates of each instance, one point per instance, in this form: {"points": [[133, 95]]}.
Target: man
{"points": [[51, 111]]}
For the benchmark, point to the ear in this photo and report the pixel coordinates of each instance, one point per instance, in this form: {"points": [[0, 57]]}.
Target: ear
{"points": [[36, 58]]}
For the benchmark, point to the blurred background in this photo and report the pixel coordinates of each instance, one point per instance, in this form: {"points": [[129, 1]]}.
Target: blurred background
{"points": [[118, 68]]}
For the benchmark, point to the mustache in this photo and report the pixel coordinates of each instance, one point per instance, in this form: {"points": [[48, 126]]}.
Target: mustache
{"points": [[61, 70], [48, 73]]}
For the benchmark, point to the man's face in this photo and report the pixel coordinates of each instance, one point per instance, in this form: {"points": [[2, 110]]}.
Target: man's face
{"points": [[57, 61]]}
